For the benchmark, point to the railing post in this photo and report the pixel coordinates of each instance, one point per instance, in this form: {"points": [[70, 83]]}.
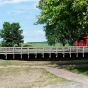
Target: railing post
{"points": [[50, 55], [50, 52], [63, 52], [6, 52], [35, 53], [83, 51], [76, 51], [56, 53], [28, 52], [21, 52], [70, 51], [43, 53], [13, 53]]}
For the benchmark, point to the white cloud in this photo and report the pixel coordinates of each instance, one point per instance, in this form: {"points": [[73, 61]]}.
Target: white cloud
{"points": [[27, 6], [29, 17], [18, 11], [8, 12], [34, 36], [2, 2], [15, 12], [22, 8], [31, 33]]}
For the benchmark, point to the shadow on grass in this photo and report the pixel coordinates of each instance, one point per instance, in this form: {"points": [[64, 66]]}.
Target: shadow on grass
{"points": [[83, 70], [70, 64]]}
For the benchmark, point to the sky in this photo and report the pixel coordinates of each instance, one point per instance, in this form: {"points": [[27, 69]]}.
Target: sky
{"points": [[23, 12]]}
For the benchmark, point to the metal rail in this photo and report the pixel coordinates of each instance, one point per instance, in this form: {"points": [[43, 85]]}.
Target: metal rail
{"points": [[43, 50]]}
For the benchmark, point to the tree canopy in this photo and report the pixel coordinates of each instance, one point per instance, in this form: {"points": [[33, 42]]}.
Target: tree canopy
{"points": [[64, 20], [11, 34]]}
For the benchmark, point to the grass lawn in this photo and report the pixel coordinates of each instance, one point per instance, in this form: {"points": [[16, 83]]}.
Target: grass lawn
{"points": [[80, 70], [19, 74], [24, 63], [37, 44], [41, 63], [70, 62], [27, 78], [83, 70]]}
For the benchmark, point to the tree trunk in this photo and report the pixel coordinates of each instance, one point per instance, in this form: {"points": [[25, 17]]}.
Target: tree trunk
{"points": [[18, 44], [63, 44]]}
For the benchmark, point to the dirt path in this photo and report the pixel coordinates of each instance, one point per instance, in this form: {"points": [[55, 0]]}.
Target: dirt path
{"points": [[68, 75], [79, 80]]}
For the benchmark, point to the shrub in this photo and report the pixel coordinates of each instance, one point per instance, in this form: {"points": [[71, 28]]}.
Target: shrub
{"points": [[27, 45]]}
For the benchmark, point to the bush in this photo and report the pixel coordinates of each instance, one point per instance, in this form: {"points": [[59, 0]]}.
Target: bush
{"points": [[27, 45], [15, 45], [0, 45]]}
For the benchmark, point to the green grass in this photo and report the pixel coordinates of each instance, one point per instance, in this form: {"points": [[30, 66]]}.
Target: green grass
{"points": [[70, 62], [23, 63], [41, 63], [27, 77], [40, 44], [83, 70], [37, 44]]}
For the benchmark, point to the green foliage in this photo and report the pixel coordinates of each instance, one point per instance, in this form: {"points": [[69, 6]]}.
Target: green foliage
{"points": [[0, 44], [64, 20], [40, 44], [80, 70], [27, 45], [11, 34]]}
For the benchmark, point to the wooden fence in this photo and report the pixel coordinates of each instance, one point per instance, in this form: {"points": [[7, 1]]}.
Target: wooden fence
{"points": [[44, 50]]}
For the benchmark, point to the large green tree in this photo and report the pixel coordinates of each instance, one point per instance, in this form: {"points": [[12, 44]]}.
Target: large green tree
{"points": [[11, 34], [64, 20]]}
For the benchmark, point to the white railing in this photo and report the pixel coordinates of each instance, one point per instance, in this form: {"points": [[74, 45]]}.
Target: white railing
{"points": [[43, 50], [48, 49]]}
